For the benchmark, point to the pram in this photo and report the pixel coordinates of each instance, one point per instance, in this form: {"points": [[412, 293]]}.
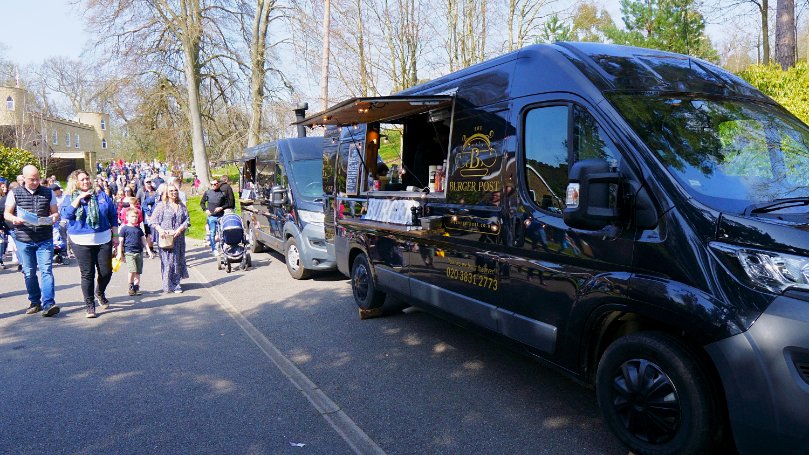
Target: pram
{"points": [[232, 243], [59, 246]]}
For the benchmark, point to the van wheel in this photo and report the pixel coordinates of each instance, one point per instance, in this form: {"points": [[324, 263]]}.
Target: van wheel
{"points": [[255, 245], [363, 286], [655, 396], [293, 259]]}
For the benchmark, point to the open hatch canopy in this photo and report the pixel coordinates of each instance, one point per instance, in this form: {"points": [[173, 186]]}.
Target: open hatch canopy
{"points": [[378, 109]]}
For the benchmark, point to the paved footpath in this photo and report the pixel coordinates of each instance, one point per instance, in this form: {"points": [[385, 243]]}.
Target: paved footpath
{"points": [[160, 373]]}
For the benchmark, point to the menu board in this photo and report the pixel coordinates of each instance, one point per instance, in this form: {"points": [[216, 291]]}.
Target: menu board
{"points": [[353, 173]]}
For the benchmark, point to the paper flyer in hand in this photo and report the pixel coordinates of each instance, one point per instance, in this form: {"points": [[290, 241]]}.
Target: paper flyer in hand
{"points": [[33, 220]]}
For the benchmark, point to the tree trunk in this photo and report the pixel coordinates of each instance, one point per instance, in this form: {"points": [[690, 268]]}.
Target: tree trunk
{"points": [[765, 31], [785, 43], [191, 48], [324, 63], [258, 68]]}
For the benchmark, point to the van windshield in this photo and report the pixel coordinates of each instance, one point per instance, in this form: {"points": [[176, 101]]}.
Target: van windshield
{"points": [[728, 153], [308, 177]]}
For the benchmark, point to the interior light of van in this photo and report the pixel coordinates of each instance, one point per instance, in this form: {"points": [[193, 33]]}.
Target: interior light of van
{"points": [[311, 217], [775, 272]]}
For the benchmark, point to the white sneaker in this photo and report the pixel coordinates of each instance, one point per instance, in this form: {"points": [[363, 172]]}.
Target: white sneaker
{"points": [[179, 290]]}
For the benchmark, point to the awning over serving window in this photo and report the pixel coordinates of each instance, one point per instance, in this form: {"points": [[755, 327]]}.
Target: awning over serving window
{"points": [[379, 109]]}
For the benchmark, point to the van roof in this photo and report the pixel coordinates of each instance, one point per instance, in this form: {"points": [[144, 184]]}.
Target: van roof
{"points": [[625, 68], [607, 66], [299, 148]]}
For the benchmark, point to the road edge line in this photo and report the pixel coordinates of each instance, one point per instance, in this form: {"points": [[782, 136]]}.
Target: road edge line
{"points": [[351, 433]]}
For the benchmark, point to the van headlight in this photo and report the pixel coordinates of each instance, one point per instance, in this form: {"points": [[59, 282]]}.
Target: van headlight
{"points": [[311, 217], [774, 272]]}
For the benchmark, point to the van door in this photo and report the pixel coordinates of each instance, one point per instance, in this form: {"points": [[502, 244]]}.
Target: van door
{"points": [[548, 266], [280, 214], [263, 210]]}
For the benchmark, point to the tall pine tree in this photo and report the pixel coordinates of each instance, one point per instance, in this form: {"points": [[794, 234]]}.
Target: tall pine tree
{"points": [[669, 25]]}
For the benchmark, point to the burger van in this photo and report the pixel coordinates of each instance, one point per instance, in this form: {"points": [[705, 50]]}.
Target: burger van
{"points": [[636, 218]]}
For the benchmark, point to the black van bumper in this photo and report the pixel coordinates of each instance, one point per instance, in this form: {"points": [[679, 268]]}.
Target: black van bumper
{"points": [[765, 373]]}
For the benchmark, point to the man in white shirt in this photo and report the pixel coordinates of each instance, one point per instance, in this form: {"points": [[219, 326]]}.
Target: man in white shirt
{"points": [[34, 240]]}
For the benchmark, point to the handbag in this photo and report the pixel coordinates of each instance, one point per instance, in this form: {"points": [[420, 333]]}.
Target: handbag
{"points": [[166, 241], [116, 264]]}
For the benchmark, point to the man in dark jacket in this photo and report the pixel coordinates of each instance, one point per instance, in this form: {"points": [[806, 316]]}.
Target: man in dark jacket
{"points": [[213, 202], [27, 209], [228, 192]]}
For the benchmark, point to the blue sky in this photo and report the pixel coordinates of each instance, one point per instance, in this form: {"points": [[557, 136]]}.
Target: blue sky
{"points": [[33, 30], [58, 29]]}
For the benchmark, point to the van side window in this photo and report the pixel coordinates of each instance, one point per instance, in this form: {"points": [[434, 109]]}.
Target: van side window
{"points": [[546, 156], [265, 178], [280, 176], [591, 141]]}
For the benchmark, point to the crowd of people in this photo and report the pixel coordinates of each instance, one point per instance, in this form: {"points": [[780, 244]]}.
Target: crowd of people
{"points": [[128, 208]]}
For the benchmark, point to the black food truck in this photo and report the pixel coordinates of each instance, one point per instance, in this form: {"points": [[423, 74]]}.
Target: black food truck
{"points": [[634, 217], [284, 205]]}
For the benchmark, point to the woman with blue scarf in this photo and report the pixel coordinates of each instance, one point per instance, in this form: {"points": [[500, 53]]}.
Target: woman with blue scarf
{"points": [[93, 232]]}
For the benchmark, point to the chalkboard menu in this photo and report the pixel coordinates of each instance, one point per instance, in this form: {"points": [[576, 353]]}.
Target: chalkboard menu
{"points": [[353, 169]]}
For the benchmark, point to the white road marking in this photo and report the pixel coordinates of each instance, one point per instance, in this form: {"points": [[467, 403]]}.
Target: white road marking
{"points": [[351, 433]]}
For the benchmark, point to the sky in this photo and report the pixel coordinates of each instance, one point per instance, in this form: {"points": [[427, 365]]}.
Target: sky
{"points": [[34, 30]]}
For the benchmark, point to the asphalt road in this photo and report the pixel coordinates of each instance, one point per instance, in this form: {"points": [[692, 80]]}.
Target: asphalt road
{"points": [[255, 362]]}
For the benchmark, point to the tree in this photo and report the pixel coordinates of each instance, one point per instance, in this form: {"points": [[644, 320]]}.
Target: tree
{"points": [[555, 30], [258, 66], [786, 51], [523, 18], [670, 25], [589, 23], [163, 33], [467, 29]]}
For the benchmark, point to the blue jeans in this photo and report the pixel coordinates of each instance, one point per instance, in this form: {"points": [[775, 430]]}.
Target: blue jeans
{"points": [[213, 222], [33, 256]]}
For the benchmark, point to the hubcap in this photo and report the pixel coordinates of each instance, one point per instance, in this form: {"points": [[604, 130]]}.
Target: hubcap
{"points": [[293, 257], [360, 283], [646, 401]]}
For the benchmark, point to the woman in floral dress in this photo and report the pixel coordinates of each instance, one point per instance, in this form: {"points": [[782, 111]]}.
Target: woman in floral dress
{"points": [[171, 217]]}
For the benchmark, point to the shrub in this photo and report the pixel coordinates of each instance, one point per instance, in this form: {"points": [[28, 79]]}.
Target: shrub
{"points": [[12, 160], [789, 88]]}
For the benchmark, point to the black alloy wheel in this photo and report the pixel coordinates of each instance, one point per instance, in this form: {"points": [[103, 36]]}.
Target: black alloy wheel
{"points": [[656, 397], [362, 285], [646, 401]]}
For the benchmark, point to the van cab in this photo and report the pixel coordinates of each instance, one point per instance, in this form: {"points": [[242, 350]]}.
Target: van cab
{"points": [[636, 218], [283, 209]]}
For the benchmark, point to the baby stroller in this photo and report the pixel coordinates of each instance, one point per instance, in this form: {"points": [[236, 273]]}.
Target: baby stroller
{"points": [[59, 246], [232, 243]]}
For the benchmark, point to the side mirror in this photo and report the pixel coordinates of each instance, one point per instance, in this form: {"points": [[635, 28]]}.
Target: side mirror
{"points": [[278, 196], [587, 203]]}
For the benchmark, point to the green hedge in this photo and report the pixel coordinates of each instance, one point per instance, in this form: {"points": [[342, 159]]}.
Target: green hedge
{"points": [[12, 160], [789, 88]]}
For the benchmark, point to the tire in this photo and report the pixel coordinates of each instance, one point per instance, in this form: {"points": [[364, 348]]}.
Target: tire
{"points": [[363, 286], [255, 245], [248, 260], [292, 256], [673, 411]]}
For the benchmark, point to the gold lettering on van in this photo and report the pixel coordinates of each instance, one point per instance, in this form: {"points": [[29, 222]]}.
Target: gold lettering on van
{"points": [[475, 186], [477, 155]]}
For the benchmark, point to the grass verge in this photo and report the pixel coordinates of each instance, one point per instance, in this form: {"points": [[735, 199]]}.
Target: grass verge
{"points": [[198, 218]]}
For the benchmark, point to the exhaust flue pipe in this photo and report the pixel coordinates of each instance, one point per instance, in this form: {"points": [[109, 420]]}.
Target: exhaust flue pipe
{"points": [[300, 114]]}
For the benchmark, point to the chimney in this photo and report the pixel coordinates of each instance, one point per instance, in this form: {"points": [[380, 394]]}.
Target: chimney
{"points": [[300, 114]]}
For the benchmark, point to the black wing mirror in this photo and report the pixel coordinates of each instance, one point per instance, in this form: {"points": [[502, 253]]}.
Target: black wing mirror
{"points": [[278, 196], [589, 204]]}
